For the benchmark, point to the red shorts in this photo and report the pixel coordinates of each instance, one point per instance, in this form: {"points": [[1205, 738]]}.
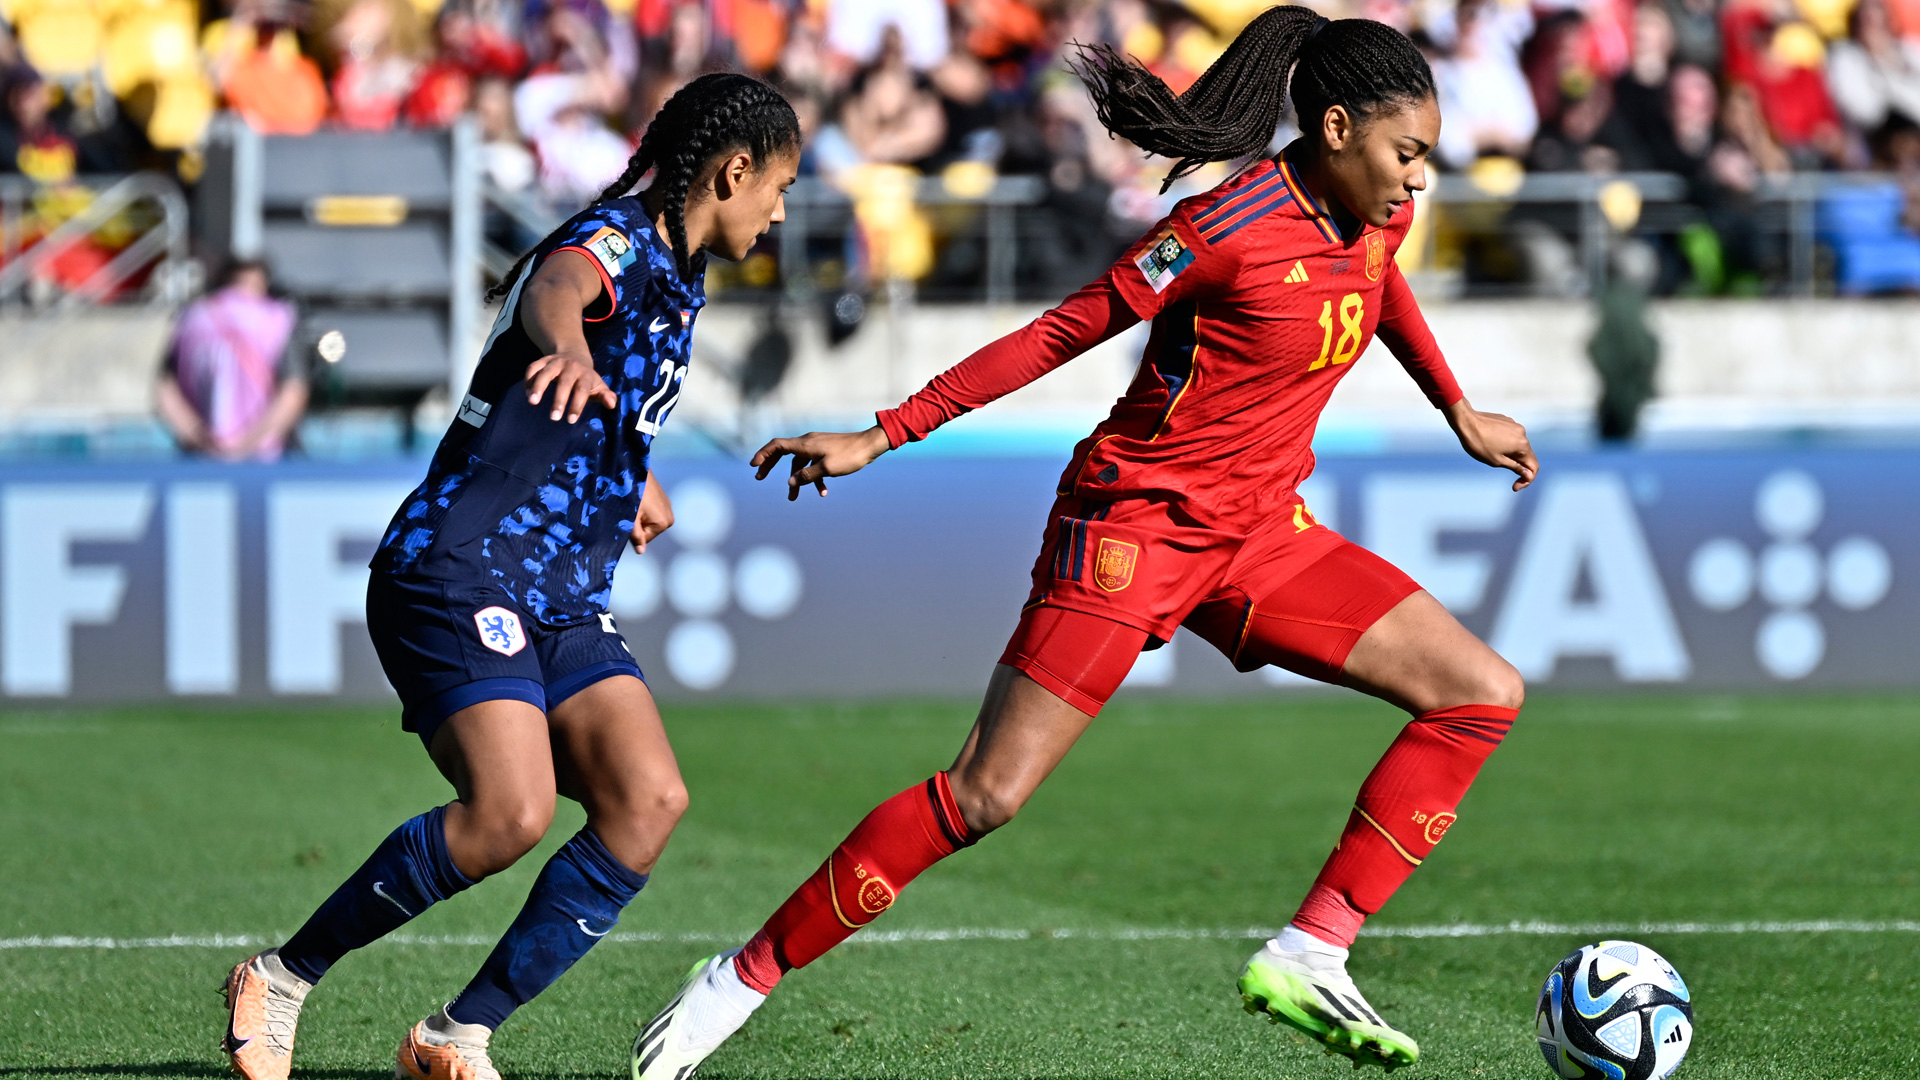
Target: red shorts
{"points": [[1292, 592]]}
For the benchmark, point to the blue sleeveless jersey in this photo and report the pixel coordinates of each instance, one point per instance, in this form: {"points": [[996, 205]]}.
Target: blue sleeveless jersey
{"points": [[541, 508]]}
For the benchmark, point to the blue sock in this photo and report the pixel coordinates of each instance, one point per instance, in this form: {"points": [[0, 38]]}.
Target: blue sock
{"points": [[576, 902], [407, 874]]}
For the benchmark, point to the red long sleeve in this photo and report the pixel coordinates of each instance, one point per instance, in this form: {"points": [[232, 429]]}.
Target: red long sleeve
{"points": [[1405, 331], [1083, 320]]}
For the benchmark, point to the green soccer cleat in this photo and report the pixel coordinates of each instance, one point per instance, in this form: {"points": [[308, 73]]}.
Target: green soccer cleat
{"points": [[1311, 992], [710, 1007]]}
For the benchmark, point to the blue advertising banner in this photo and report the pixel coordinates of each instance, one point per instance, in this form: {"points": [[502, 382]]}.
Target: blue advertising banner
{"points": [[1729, 569]]}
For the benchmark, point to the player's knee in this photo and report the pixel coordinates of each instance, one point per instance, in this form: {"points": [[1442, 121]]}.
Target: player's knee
{"points": [[1501, 685], [985, 806], [667, 805], [514, 826]]}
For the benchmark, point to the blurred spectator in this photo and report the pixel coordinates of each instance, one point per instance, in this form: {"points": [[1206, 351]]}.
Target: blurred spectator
{"points": [[1696, 33], [997, 29], [1483, 93], [891, 115], [510, 165], [1692, 103], [1640, 127], [469, 49], [1874, 75], [374, 42], [1781, 58], [857, 29], [1571, 99], [573, 35], [232, 387], [31, 142], [263, 77], [965, 87], [1746, 149]]}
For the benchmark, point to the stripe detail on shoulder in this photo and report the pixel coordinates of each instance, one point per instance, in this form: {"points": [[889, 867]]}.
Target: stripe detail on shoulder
{"points": [[1235, 210], [1304, 198]]}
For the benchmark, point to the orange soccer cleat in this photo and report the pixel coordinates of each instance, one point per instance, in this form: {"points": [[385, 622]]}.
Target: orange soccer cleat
{"points": [[439, 1049], [263, 1006]]}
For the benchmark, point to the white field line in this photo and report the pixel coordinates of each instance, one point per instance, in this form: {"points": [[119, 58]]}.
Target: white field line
{"points": [[1164, 933]]}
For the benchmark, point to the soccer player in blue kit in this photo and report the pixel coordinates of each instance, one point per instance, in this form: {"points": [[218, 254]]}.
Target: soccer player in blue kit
{"points": [[488, 600]]}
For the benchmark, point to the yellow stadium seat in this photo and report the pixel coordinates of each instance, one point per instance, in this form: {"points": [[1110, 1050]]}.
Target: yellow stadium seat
{"points": [[1830, 17], [151, 45], [1228, 17], [181, 111], [61, 41]]}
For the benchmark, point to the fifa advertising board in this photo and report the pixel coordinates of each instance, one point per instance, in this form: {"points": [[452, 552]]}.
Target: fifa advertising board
{"points": [[1721, 569]]}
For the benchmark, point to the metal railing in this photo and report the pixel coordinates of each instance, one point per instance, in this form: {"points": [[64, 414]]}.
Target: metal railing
{"points": [[1568, 205], [1784, 207], [161, 247]]}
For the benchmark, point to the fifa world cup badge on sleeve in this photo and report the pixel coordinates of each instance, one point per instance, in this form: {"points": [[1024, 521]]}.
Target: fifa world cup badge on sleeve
{"points": [[1113, 564], [1376, 254], [613, 250], [1163, 260], [500, 630]]}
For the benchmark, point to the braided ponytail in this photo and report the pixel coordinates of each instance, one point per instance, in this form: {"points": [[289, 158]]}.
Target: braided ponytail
{"points": [[710, 116], [1233, 109]]}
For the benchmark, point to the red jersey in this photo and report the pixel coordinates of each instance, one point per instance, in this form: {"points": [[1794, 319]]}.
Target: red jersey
{"points": [[1259, 305]]}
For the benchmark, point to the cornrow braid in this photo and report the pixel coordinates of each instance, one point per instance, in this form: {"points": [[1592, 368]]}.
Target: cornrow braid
{"points": [[710, 116], [1233, 109]]}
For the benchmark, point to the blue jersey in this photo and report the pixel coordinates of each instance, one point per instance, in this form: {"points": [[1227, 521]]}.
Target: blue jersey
{"points": [[538, 507]]}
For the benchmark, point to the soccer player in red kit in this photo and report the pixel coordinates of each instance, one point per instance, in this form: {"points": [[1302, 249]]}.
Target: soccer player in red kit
{"points": [[1181, 509]]}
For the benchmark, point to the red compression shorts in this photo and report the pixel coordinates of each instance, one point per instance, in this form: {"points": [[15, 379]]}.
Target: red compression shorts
{"points": [[1294, 593]]}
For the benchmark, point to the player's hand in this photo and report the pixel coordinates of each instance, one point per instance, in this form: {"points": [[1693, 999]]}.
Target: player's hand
{"points": [[569, 374], [656, 514], [1496, 440], [820, 454]]}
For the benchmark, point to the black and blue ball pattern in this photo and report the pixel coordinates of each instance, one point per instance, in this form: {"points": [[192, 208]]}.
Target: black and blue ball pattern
{"points": [[1614, 1011]]}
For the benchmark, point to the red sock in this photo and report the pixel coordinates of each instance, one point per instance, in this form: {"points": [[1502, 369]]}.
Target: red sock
{"points": [[903, 836], [1405, 806]]}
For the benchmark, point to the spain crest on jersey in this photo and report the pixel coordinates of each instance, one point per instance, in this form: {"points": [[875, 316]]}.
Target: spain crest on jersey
{"points": [[1113, 564], [1376, 254], [613, 250], [1164, 259]]}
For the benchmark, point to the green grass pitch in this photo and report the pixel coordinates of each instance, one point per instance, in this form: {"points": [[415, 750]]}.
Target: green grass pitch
{"points": [[1171, 815]]}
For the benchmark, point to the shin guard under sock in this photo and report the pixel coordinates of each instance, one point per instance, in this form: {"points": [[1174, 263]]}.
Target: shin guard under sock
{"points": [[574, 903], [1406, 806], [407, 874], [899, 839]]}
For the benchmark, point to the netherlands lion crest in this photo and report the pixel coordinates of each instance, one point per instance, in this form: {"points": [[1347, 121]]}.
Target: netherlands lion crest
{"points": [[500, 630]]}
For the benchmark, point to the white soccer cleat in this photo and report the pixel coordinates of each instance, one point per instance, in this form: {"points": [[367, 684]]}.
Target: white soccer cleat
{"points": [[263, 1008], [710, 1007], [1310, 991], [439, 1049]]}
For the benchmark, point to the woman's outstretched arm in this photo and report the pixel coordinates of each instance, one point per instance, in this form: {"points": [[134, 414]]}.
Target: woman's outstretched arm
{"points": [[1083, 320], [1490, 438]]}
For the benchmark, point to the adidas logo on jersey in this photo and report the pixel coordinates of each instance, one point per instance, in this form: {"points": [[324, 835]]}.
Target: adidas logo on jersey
{"points": [[1298, 274]]}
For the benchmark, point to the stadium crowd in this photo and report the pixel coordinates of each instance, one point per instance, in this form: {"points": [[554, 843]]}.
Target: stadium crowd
{"points": [[1721, 92]]}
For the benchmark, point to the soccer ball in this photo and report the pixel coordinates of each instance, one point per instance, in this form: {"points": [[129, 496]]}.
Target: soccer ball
{"points": [[1616, 1010]]}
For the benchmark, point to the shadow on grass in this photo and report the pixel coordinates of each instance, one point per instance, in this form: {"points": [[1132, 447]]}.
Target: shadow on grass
{"points": [[180, 1070], [201, 1070]]}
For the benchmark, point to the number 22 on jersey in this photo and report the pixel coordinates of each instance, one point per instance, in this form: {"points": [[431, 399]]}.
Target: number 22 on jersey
{"points": [[1353, 312], [654, 410]]}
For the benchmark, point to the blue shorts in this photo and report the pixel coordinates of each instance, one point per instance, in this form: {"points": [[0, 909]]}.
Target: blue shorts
{"points": [[446, 645]]}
